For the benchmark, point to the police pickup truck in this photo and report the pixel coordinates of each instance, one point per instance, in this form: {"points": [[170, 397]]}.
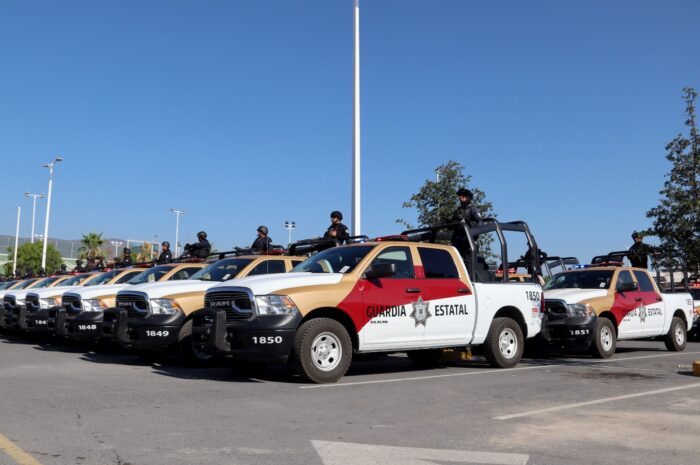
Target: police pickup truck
{"points": [[379, 296], [83, 308], [155, 316], [597, 305]]}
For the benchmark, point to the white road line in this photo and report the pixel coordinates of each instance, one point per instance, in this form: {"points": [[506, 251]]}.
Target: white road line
{"points": [[597, 401], [494, 371]]}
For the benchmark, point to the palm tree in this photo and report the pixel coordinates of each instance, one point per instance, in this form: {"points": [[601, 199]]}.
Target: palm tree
{"points": [[92, 245]]}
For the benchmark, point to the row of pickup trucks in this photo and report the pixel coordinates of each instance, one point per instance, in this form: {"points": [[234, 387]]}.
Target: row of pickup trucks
{"points": [[319, 304]]}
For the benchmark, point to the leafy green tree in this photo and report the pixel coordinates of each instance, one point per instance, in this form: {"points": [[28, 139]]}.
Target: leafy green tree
{"points": [[437, 199], [677, 217], [29, 258], [92, 246], [436, 202]]}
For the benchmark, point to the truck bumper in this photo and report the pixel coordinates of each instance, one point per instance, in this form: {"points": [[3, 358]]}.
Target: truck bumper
{"points": [[576, 331], [86, 326], [260, 339], [43, 321], [152, 332]]}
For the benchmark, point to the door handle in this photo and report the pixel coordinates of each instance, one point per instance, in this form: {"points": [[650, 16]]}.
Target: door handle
{"points": [[463, 290], [638, 299], [412, 290]]}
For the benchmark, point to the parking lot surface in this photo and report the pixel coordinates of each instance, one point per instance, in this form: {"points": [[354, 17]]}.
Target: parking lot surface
{"points": [[64, 404]]}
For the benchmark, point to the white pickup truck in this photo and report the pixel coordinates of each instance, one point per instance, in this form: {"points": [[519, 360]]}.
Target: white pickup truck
{"points": [[598, 305], [381, 296]]}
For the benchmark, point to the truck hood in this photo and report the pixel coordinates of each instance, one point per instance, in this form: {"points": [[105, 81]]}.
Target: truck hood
{"points": [[573, 296], [167, 288], [269, 284], [18, 294], [52, 291], [90, 292]]}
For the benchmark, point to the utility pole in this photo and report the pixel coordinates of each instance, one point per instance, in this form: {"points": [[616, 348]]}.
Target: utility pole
{"points": [[177, 229], [48, 209], [14, 261], [34, 196], [356, 207]]}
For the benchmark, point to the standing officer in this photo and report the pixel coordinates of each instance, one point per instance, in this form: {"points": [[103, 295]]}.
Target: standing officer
{"points": [[639, 252], [126, 260], [466, 210], [201, 249], [262, 244], [166, 256], [337, 230]]}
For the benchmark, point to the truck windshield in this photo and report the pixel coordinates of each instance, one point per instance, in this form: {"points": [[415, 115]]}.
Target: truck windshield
{"points": [[335, 260], [593, 279], [222, 270], [150, 276], [102, 278], [46, 282], [6, 284], [25, 284], [74, 281]]}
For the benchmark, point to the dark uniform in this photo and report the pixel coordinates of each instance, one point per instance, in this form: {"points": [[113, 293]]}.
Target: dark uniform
{"points": [[201, 249], [166, 256], [337, 230], [126, 260], [471, 216], [638, 253], [262, 245]]}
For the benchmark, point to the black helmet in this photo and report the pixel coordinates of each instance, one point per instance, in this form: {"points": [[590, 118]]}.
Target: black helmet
{"points": [[166, 244], [337, 214], [127, 250], [636, 235], [262, 229], [462, 192], [201, 235]]}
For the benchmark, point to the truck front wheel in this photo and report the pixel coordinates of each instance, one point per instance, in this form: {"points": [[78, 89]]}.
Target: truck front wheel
{"points": [[677, 336], [604, 339], [322, 350], [504, 343]]}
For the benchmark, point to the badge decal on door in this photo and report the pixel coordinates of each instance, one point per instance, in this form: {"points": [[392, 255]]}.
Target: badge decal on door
{"points": [[421, 312]]}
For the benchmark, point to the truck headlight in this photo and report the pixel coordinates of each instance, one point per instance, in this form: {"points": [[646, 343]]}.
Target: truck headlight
{"points": [[49, 302], [93, 305], [275, 305], [580, 310], [164, 307]]}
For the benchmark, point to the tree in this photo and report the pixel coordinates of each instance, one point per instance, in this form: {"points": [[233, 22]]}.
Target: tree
{"points": [[92, 246], [677, 217], [437, 200], [29, 258]]}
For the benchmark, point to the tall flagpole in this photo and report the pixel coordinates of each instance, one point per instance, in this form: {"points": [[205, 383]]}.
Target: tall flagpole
{"points": [[356, 210]]}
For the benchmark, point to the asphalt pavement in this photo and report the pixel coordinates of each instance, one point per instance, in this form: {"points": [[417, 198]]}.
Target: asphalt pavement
{"points": [[64, 404]]}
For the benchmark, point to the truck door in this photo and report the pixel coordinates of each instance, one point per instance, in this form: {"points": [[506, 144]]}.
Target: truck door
{"points": [[389, 303], [448, 298], [652, 312], [626, 307]]}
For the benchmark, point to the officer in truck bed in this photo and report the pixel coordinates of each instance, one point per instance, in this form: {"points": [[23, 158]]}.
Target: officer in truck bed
{"points": [[201, 249], [337, 230]]}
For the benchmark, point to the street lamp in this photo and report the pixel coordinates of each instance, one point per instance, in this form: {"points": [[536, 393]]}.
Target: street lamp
{"points": [[48, 209], [356, 208], [116, 245], [14, 261], [41, 196], [290, 226], [177, 229]]}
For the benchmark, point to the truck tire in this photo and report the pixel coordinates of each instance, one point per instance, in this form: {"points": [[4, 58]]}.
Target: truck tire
{"points": [[322, 350], [677, 336], [424, 358], [188, 351], [504, 344], [604, 339]]}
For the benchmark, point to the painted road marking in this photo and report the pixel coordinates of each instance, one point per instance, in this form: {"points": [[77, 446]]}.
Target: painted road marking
{"points": [[345, 453], [14, 451], [597, 401], [553, 364]]}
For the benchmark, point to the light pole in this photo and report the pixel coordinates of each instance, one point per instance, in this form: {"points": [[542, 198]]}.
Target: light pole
{"points": [[290, 226], [41, 196], [116, 245], [14, 261], [356, 127], [48, 209], [177, 229]]}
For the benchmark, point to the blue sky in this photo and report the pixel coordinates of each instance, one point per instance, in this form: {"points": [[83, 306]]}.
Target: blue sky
{"points": [[240, 112]]}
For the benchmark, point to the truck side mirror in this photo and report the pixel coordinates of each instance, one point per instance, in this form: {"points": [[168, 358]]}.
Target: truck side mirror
{"points": [[381, 270], [627, 287]]}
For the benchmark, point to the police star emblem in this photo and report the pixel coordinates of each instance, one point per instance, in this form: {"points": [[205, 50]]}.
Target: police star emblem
{"points": [[421, 312]]}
